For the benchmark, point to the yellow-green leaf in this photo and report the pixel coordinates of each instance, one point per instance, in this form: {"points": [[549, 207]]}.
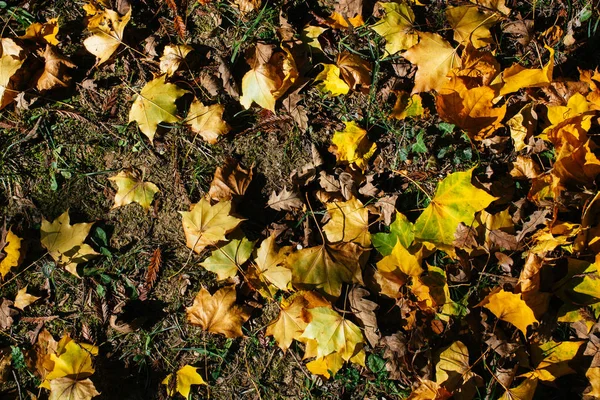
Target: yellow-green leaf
{"points": [[132, 189], [397, 27], [185, 377], [226, 260], [349, 222], [330, 81]]}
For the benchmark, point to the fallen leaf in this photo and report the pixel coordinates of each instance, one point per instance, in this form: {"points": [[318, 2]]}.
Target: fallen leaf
{"points": [[11, 60], [11, 253], [355, 71], [456, 200], [206, 225], [230, 181], [429, 390], [517, 77], [407, 106], [522, 126], [471, 25], [495, 5], [326, 267], [270, 263], [155, 104], [291, 322], [333, 333], [6, 314], [453, 370], [64, 242], [400, 264], [173, 56], [434, 58], [217, 313], [330, 81], [285, 200], [226, 260], [524, 391], [401, 230], [397, 27], [185, 377], [24, 299], [133, 190], [69, 388], [364, 311], [326, 366], [54, 74], [511, 308], [349, 222], [107, 29], [207, 121], [554, 360], [352, 146], [43, 32]]}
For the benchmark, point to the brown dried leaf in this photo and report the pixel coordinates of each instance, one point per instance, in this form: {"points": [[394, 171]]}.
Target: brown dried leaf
{"points": [[230, 181]]}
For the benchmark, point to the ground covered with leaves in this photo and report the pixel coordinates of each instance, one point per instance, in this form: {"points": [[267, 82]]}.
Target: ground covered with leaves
{"points": [[288, 199]]}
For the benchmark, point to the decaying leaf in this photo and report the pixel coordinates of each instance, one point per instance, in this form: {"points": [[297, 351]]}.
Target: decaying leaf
{"points": [[230, 181], [364, 310], [207, 121], [24, 299], [285, 200], [6, 314], [349, 222], [173, 56], [133, 190], [11, 59], [217, 313]]}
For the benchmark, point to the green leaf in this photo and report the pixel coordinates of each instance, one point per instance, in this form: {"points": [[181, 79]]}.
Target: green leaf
{"points": [[401, 229], [226, 260]]}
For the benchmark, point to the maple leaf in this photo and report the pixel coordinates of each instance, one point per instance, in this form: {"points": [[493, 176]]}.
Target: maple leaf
{"points": [[107, 29], [12, 57], [205, 225], [364, 311], [407, 106], [271, 75], [6, 314], [24, 299], [453, 371], [554, 358], [401, 230], [469, 109], [456, 200], [207, 121], [64, 242], [291, 322], [352, 145], [511, 308], [231, 180], [522, 126], [217, 313], [333, 333], [132, 189], [43, 32], [330, 81], [68, 388], [496, 5], [270, 263], [518, 77], [355, 71], [524, 391], [285, 200], [349, 222], [433, 292], [434, 58], [173, 56], [471, 25], [429, 390], [226, 260], [155, 104], [54, 73], [327, 366], [185, 377], [326, 267], [397, 27], [11, 253], [400, 264]]}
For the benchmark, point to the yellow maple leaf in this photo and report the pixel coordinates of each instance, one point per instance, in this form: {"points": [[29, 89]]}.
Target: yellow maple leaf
{"points": [[271, 74], [207, 121], [397, 27], [185, 377], [326, 366], [24, 299], [330, 81], [339, 21], [518, 77], [226, 260], [471, 25], [155, 104], [593, 375], [407, 106], [291, 322], [173, 56], [12, 57], [496, 5], [132, 189], [355, 71], [429, 390], [522, 126], [217, 313], [205, 225], [43, 32], [349, 222], [107, 29], [400, 264], [333, 333], [511, 308], [12, 253], [71, 359], [352, 145], [570, 123], [434, 58], [524, 391], [270, 263], [64, 242], [326, 267], [453, 370], [456, 200], [553, 360]]}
